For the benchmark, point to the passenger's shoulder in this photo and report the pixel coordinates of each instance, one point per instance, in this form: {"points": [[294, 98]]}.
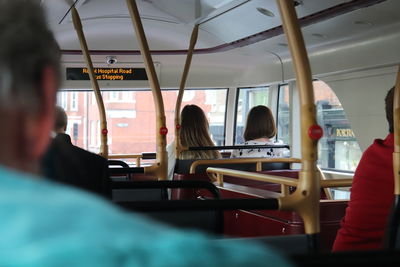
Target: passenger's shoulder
{"points": [[58, 219], [90, 155], [52, 206]]}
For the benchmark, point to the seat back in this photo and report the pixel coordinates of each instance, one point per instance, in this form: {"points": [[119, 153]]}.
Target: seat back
{"points": [[118, 164], [153, 194], [182, 166], [127, 191], [123, 173], [112, 162]]}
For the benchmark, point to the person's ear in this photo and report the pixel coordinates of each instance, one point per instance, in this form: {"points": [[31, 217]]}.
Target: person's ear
{"points": [[44, 120]]}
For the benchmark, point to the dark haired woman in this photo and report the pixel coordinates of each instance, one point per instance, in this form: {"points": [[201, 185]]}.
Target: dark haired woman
{"points": [[194, 133], [260, 129]]}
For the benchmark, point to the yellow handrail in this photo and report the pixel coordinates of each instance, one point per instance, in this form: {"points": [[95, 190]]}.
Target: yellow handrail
{"points": [[137, 157], [396, 120], [220, 172], [100, 104], [328, 192], [257, 161], [305, 200], [160, 168], [193, 40], [125, 156]]}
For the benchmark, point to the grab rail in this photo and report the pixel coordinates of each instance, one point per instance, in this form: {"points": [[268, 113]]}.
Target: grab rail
{"points": [[394, 219], [220, 172], [193, 40], [137, 157], [95, 85], [160, 168], [305, 200], [257, 161], [195, 148]]}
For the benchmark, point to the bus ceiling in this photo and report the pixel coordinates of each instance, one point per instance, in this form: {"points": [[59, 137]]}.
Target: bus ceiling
{"points": [[169, 25]]}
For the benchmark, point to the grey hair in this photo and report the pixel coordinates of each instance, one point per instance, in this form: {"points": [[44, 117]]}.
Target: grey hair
{"points": [[27, 46]]}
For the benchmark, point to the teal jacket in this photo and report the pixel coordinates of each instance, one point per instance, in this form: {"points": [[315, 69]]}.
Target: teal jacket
{"points": [[46, 224]]}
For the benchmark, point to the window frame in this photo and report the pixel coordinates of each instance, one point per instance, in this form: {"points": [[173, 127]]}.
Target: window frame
{"points": [[226, 102], [74, 104], [63, 100], [113, 96], [280, 85], [237, 105], [341, 171]]}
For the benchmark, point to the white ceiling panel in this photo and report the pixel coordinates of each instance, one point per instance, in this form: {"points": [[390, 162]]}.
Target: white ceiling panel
{"points": [[168, 23]]}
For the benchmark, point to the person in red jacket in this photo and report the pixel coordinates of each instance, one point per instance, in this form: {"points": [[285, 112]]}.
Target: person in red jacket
{"points": [[372, 194]]}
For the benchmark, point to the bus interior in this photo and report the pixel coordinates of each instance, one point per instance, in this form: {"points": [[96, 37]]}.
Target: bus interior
{"points": [[241, 58]]}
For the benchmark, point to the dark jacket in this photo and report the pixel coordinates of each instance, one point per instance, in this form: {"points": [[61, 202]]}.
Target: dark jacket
{"points": [[69, 164]]}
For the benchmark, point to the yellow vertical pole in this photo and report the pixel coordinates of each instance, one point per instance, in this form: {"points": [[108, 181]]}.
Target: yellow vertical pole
{"points": [[160, 169], [193, 40], [100, 104], [396, 121], [394, 219], [306, 198]]}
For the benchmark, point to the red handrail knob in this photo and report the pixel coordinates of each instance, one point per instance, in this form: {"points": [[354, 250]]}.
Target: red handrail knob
{"points": [[104, 132], [178, 126], [315, 132], [163, 130]]}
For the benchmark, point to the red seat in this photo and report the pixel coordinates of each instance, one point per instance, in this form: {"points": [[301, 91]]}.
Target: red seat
{"points": [[240, 223]]}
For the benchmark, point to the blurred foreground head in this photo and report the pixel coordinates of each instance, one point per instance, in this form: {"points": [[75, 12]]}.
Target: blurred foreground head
{"points": [[29, 78]]}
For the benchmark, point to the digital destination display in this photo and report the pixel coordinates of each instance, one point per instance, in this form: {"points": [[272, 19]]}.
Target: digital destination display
{"points": [[108, 74]]}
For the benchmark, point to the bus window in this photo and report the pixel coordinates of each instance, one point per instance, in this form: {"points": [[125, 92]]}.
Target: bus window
{"points": [[213, 103], [338, 148], [248, 98], [283, 115], [131, 117], [62, 100]]}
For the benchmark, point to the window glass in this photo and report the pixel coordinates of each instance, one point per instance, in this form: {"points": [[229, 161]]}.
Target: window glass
{"points": [[74, 101], [283, 121], [338, 148], [248, 98], [113, 96], [131, 118], [213, 103], [62, 100], [93, 134]]}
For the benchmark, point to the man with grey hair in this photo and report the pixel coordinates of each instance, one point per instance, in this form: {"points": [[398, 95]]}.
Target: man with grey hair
{"points": [[46, 224]]}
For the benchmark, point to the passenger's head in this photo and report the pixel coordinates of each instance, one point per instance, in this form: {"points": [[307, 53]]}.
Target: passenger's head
{"points": [[60, 121], [260, 124], [389, 108], [195, 132], [29, 78]]}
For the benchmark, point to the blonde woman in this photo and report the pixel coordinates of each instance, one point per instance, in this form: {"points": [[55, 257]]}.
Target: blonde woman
{"points": [[260, 129], [194, 133]]}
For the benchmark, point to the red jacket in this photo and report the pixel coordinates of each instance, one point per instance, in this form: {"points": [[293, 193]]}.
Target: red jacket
{"points": [[372, 195]]}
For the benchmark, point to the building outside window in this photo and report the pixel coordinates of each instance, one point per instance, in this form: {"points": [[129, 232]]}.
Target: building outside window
{"points": [[338, 148], [62, 98], [131, 120], [113, 96], [74, 101]]}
